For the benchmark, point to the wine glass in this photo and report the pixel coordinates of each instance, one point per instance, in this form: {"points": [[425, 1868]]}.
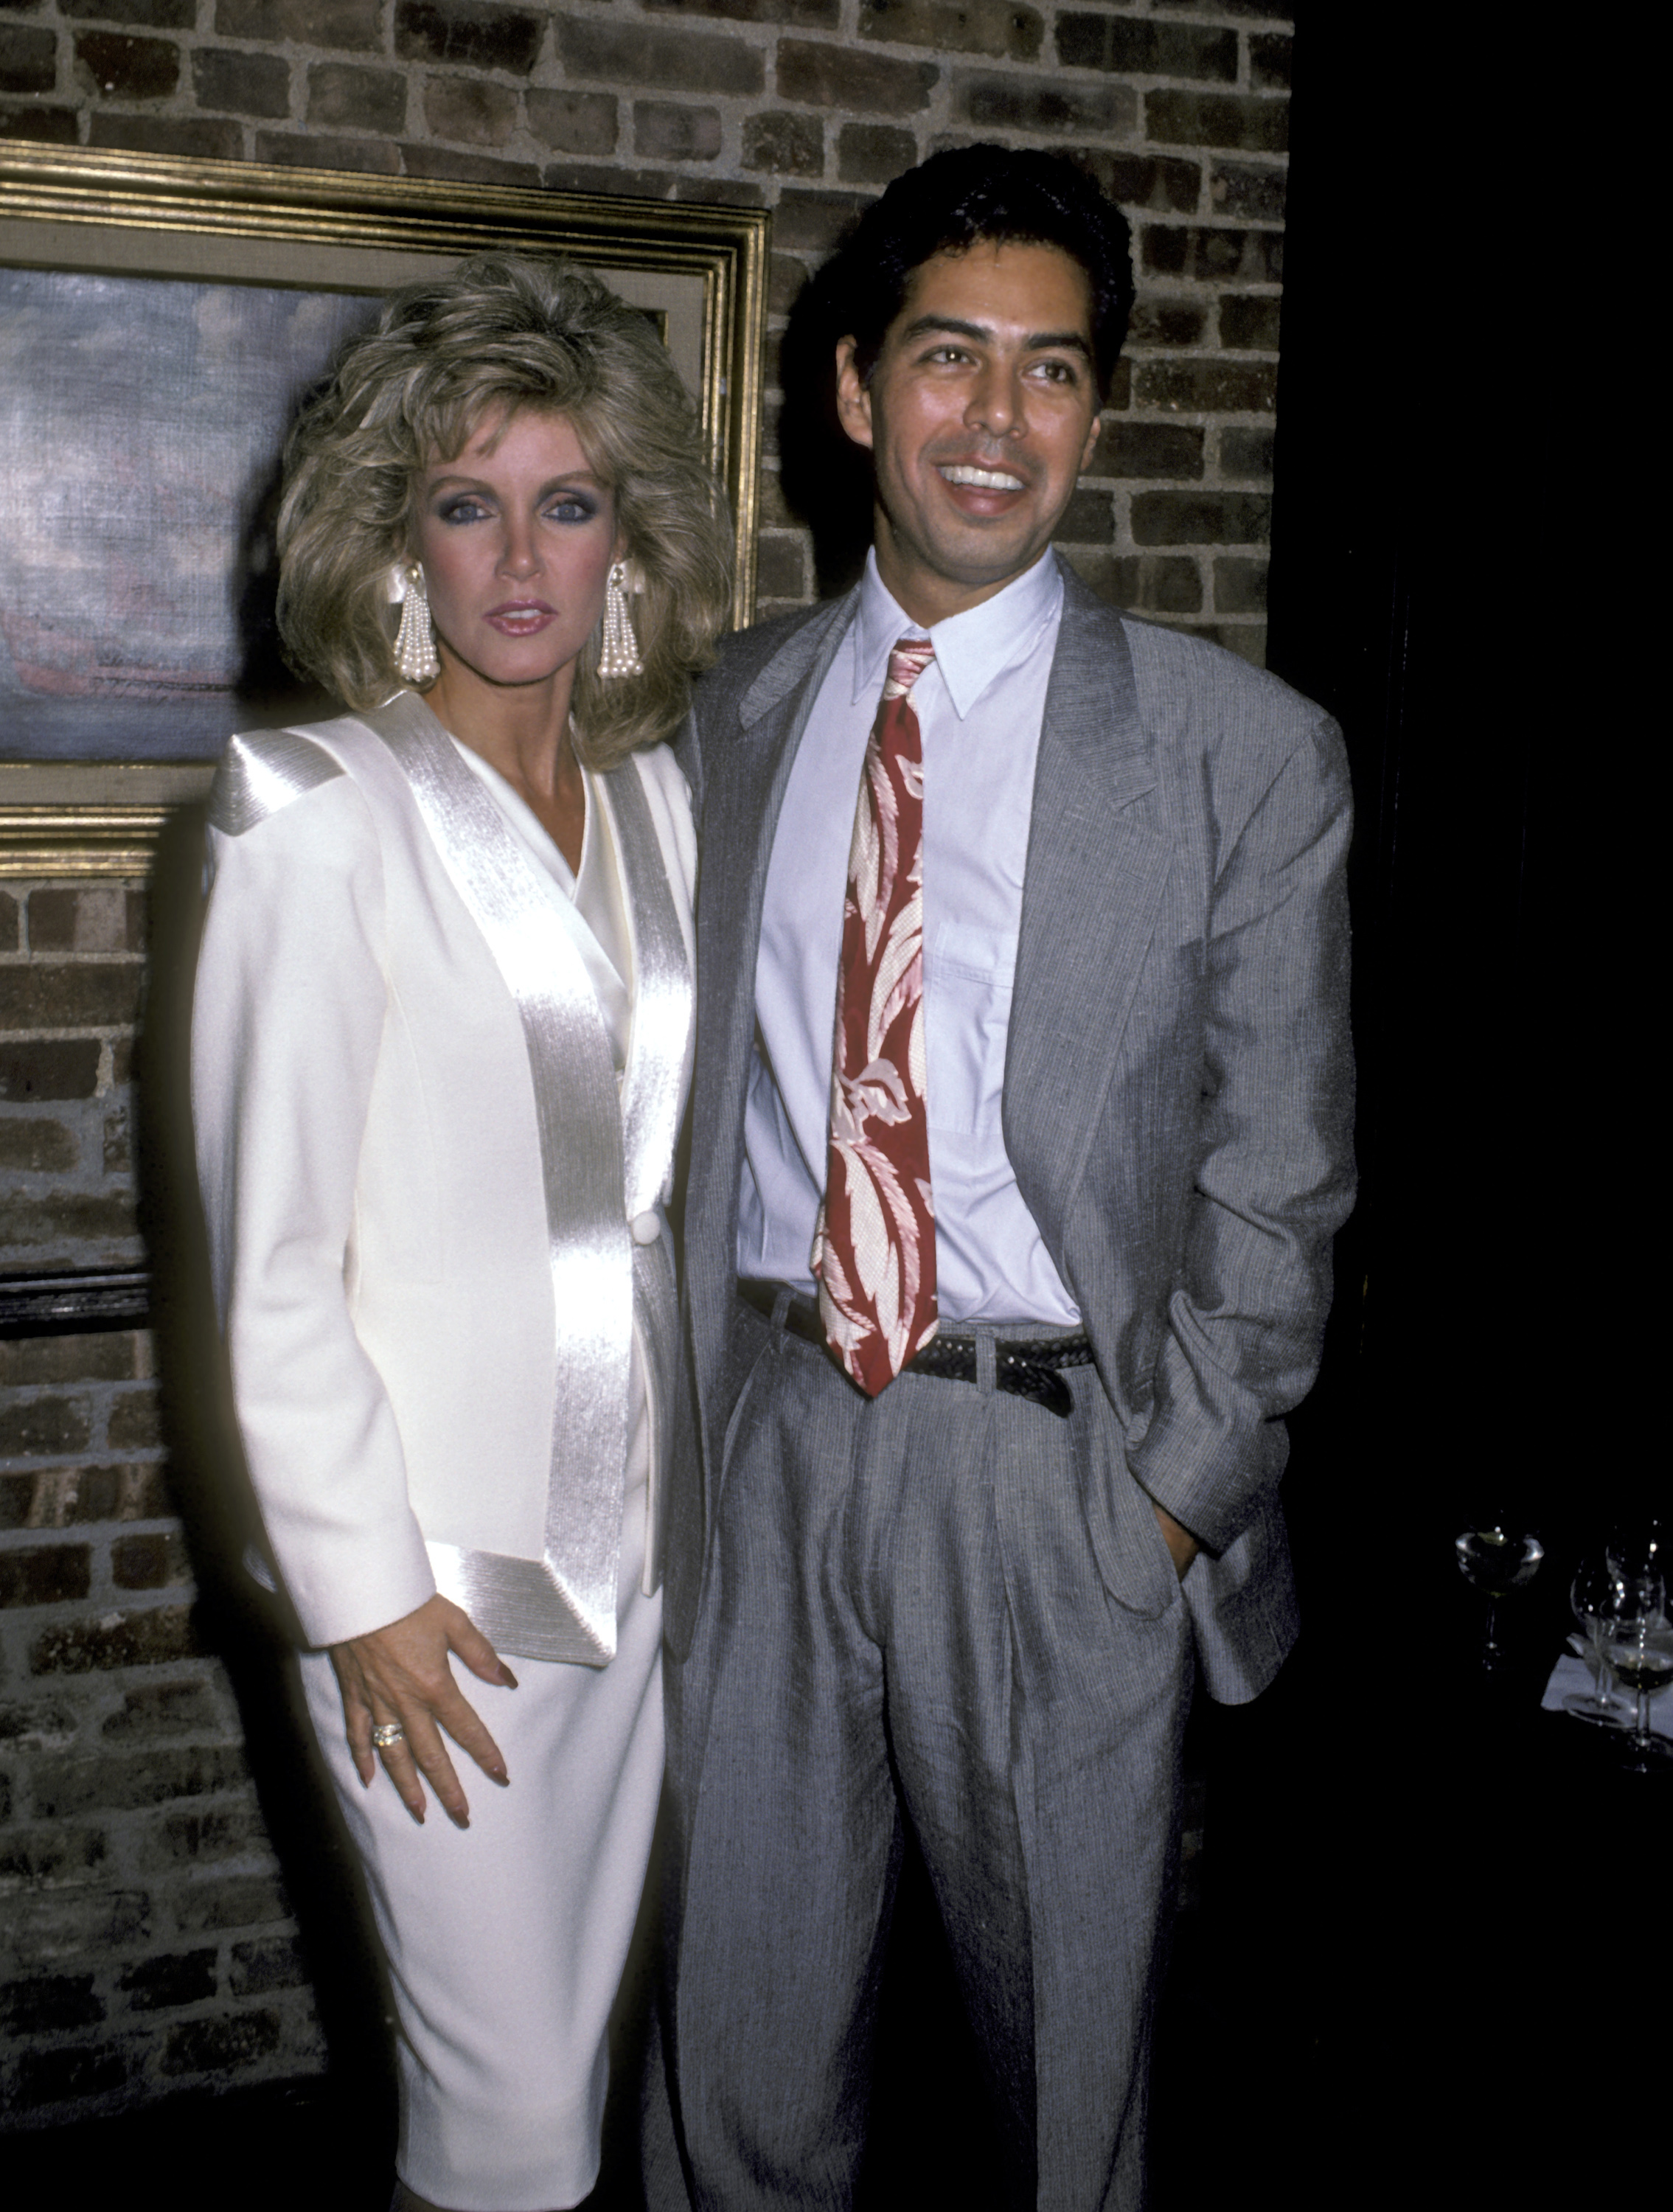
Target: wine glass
{"points": [[1595, 1598], [1638, 1646], [1496, 1564]]}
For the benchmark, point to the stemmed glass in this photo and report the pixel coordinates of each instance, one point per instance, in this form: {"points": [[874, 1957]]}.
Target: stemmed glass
{"points": [[1638, 1647], [1496, 1564], [1595, 1598]]}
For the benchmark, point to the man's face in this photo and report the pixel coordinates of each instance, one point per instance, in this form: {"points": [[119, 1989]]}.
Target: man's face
{"points": [[981, 413]]}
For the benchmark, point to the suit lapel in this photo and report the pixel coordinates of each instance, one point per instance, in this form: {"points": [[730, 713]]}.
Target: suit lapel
{"points": [[745, 771], [1097, 868]]}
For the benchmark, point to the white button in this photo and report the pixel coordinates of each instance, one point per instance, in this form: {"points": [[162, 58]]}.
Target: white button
{"points": [[647, 1228]]}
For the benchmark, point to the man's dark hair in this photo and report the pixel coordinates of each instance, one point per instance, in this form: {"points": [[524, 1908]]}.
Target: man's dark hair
{"points": [[999, 194]]}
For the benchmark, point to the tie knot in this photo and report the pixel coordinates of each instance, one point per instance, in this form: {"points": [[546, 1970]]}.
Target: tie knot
{"points": [[907, 662]]}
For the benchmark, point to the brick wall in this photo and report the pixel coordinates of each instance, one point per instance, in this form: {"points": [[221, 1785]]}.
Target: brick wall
{"points": [[145, 1940]]}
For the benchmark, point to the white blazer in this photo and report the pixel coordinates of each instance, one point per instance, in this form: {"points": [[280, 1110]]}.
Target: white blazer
{"points": [[381, 1197]]}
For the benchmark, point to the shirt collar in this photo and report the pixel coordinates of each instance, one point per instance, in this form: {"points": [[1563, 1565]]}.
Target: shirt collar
{"points": [[970, 649]]}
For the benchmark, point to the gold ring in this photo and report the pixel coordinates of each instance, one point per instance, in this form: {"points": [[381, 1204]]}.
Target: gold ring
{"points": [[387, 1733]]}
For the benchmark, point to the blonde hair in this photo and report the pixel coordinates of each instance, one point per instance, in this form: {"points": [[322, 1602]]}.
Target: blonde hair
{"points": [[510, 333]]}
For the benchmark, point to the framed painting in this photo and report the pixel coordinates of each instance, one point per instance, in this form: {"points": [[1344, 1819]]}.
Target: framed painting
{"points": [[159, 320]]}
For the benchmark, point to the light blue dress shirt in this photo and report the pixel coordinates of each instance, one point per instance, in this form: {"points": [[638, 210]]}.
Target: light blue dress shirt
{"points": [[979, 706]]}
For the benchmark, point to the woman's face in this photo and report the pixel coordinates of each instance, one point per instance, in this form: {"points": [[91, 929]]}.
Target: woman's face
{"points": [[516, 535]]}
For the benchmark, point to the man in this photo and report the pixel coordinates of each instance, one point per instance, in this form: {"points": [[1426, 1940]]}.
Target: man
{"points": [[994, 1305]]}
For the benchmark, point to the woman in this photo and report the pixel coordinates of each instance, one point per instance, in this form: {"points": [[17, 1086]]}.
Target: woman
{"points": [[442, 1040]]}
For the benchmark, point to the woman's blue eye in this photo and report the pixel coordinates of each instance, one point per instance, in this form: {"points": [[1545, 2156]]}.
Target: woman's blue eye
{"points": [[462, 510], [573, 506]]}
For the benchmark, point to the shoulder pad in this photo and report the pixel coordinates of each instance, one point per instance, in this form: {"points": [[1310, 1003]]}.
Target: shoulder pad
{"points": [[262, 771]]}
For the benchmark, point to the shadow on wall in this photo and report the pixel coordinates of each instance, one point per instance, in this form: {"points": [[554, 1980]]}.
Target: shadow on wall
{"points": [[825, 478], [233, 1619]]}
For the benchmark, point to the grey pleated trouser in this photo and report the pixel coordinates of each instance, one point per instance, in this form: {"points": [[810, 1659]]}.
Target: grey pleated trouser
{"points": [[904, 1617]]}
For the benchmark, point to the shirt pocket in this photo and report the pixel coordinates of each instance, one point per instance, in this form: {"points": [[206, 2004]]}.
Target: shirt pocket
{"points": [[968, 978]]}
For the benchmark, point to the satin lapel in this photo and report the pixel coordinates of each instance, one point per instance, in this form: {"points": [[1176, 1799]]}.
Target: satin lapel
{"points": [[1097, 867], [653, 1089], [562, 1606], [745, 772]]}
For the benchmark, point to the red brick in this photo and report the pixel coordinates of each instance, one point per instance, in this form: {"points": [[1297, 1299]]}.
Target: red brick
{"points": [[345, 24], [1043, 106], [198, 138], [71, 996], [46, 2003], [9, 911], [45, 1574], [866, 84], [784, 145], [806, 15], [1240, 188], [1148, 449], [52, 2077], [573, 121], [50, 1854], [135, 1421], [874, 153], [111, 64], [1269, 59], [1159, 320], [28, 58], [94, 919], [669, 131], [635, 53], [157, 1560], [1201, 517], [37, 1147], [221, 2046], [1217, 118], [1162, 584], [814, 221], [469, 34], [153, 15], [185, 1839], [347, 96], [1245, 452], [55, 1068], [1088, 519], [375, 155], [1207, 386], [103, 1356], [159, 1985], [452, 166], [150, 1638], [41, 1425], [1163, 182], [269, 1962], [1135, 48], [47, 1926], [46, 127], [241, 83], [67, 1218], [1213, 254], [1250, 323], [67, 1496], [472, 110], [1240, 586], [238, 1900], [637, 184], [1003, 28]]}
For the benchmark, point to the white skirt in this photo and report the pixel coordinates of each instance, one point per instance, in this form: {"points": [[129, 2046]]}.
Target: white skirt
{"points": [[507, 1940]]}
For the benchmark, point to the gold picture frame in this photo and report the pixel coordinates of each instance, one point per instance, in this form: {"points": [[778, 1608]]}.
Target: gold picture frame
{"points": [[699, 270]]}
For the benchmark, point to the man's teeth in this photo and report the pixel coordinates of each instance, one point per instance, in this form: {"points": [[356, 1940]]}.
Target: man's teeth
{"points": [[983, 479]]}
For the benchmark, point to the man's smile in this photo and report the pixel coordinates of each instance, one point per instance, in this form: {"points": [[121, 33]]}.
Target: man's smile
{"points": [[966, 472]]}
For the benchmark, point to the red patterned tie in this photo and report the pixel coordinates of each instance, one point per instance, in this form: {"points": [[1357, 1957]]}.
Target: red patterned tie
{"points": [[874, 1247]]}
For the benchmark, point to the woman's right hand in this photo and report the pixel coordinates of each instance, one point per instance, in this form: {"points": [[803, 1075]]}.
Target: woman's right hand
{"points": [[399, 1675]]}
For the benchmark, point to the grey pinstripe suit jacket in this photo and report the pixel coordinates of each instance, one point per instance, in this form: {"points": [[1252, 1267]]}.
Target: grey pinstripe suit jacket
{"points": [[1179, 1088]]}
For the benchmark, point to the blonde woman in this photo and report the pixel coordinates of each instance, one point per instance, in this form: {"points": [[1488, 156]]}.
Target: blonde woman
{"points": [[441, 1041]]}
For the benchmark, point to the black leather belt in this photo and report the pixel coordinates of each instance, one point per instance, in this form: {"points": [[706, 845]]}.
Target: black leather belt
{"points": [[1026, 1367]]}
